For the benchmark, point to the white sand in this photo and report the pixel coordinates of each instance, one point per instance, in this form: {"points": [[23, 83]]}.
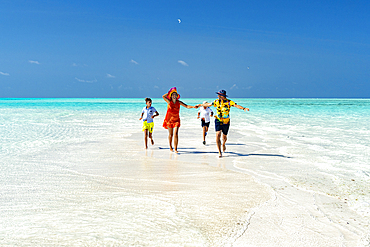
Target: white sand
{"points": [[270, 211], [223, 198], [217, 201]]}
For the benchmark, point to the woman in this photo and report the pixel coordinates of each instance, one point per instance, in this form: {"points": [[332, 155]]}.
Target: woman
{"points": [[172, 119]]}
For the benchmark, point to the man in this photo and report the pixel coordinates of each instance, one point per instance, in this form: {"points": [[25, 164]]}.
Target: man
{"points": [[222, 118]]}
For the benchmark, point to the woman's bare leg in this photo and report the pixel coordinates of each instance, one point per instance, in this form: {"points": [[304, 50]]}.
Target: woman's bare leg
{"points": [[176, 138], [170, 135]]}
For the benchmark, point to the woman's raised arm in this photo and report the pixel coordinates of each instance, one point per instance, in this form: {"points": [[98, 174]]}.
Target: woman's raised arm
{"points": [[164, 96]]}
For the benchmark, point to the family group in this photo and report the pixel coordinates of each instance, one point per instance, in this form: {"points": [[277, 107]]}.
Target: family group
{"points": [[172, 118]]}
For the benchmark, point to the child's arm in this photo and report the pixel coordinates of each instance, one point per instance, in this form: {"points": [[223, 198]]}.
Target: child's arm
{"points": [[141, 117], [205, 105], [198, 114], [156, 114]]}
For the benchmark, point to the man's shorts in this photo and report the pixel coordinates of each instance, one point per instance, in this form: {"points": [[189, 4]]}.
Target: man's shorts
{"points": [[222, 127], [148, 126], [204, 123]]}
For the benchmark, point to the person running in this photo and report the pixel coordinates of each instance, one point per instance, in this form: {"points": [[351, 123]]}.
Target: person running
{"points": [[205, 114], [172, 118], [222, 118], [147, 115]]}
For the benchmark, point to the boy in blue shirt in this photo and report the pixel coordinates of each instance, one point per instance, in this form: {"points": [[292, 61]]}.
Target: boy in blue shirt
{"points": [[147, 115]]}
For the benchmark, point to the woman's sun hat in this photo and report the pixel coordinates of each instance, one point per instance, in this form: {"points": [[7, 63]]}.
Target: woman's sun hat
{"points": [[222, 93], [171, 91]]}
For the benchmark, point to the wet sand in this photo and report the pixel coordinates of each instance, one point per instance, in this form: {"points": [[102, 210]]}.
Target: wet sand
{"points": [[238, 207], [228, 202]]}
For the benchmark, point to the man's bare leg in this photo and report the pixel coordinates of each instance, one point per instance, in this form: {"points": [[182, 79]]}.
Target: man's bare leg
{"points": [[224, 137], [218, 142]]}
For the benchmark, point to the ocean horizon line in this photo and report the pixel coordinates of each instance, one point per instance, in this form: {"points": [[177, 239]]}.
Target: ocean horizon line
{"points": [[288, 98]]}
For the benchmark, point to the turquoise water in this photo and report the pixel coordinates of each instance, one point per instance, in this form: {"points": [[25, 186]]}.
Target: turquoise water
{"points": [[328, 141]]}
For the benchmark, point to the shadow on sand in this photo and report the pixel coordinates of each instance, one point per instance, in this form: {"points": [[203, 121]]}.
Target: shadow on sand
{"points": [[229, 154], [235, 144]]}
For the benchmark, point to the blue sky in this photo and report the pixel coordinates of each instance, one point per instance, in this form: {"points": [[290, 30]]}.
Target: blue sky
{"points": [[141, 49]]}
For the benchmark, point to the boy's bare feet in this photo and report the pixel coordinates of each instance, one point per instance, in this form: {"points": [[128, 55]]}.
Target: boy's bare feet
{"points": [[152, 141]]}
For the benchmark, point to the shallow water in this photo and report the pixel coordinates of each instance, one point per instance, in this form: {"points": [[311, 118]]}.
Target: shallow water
{"points": [[328, 139]]}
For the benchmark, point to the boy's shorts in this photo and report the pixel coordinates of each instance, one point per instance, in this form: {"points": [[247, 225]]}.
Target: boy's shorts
{"points": [[204, 123], [221, 126], [148, 126]]}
